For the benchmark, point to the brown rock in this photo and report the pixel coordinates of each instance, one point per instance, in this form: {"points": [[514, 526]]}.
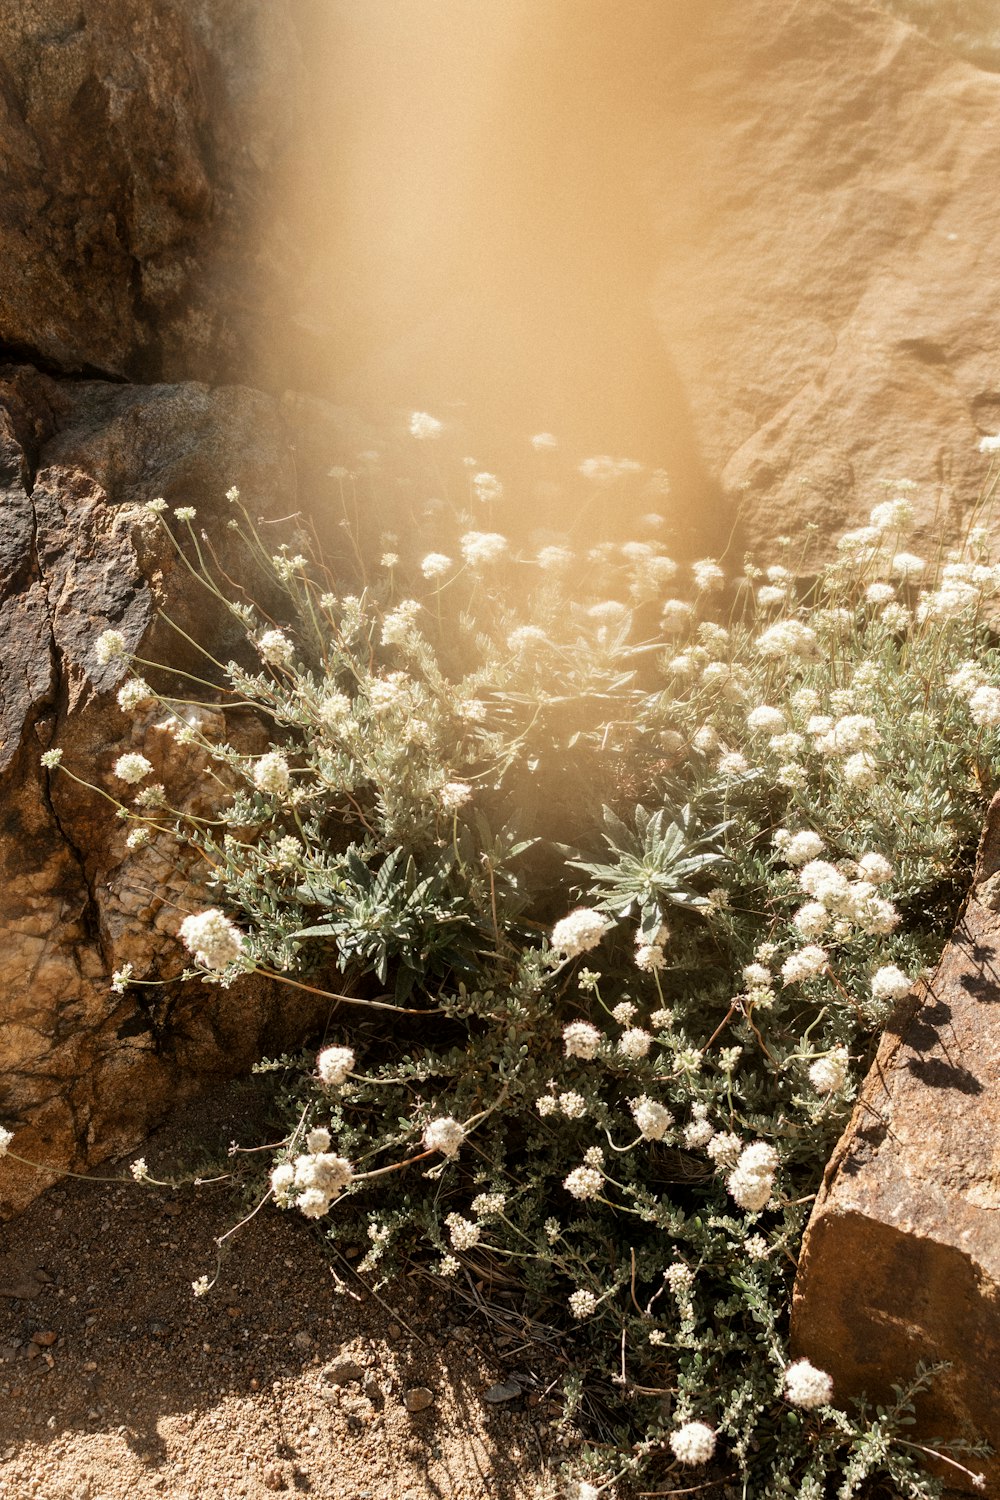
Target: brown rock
{"points": [[418, 1398], [85, 1072], [139, 137], [44, 1338], [901, 1261]]}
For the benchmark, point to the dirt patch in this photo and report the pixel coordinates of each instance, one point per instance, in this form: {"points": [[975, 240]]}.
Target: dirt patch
{"points": [[289, 1377]]}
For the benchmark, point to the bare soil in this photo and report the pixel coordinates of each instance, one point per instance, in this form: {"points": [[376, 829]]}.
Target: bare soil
{"points": [[116, 1383]]}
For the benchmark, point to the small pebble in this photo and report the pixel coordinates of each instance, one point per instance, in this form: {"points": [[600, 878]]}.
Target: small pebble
{"points": [[418, 1398]]}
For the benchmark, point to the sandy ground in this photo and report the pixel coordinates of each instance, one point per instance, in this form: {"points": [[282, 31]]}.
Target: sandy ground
{"points": [[116, 1383]]}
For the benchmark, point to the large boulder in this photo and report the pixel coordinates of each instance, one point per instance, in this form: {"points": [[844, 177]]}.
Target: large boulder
{"points": [[901, 1260], [138, 140], [752, 243], [86, 1070]]}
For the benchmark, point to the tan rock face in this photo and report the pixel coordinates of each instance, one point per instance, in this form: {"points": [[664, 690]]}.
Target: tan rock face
{"points": [[138, 139], [901, 1261], [85, 1072], [759, 251]]}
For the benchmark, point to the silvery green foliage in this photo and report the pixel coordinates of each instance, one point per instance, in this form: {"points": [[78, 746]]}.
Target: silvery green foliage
{"points": [[749, 802]]}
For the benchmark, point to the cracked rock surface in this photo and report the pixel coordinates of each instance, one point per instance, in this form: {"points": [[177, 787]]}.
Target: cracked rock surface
{"points": [[85, 1072], [901, 1260]]}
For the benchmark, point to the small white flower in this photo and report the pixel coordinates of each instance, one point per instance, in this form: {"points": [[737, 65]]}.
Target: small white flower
{"points": [[828, 1074], [906, 566], [110, 646], [752, 1179], [572, 1105], [133, 694], [649, 957], [487, 487], [890, 983], [424, 427], [333, 1064], [201, 1286], [708, 576], [806, 1386], [554, 559], [51, 759], [579, 932], [275, 648], [805, 964], [582, 1304], [698, 1134], [581, 1039], [488, 1205], [6, 1136], [766, 720], [652, 1119], [462, 1232], [455, 794], [724, 1149], [584, 1182], [802, 847], [984, 707], [132, 768], [122, 978], [139, 1169], [693, 1443], [436, 565], [480, 548], [812, 919], [282, 1183], [185, 513], [634, 1043], [318, 1140], [271, 774], [212, 938], [875, 869], [445, 1135]]}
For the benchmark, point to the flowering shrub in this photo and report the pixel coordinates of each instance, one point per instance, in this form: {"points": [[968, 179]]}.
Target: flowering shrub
{"points": [[625, 866]]}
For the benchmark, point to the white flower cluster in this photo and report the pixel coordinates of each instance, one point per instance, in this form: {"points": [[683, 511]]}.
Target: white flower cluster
{"points": [[693, 1442], [789, 639], [890, 983], [828, 1074], [579, 932], [110, 646], [436, 565], [480, 548], [271, 774], [581, 1039], [455, 794], [445, 1135], [634, 1043], [752, 1179], [212, 938], [399, 625], [313, 1180], [275, 648], [584, 1182], [582, 1303], [334, 1064], [132, 768], [806, 1386], [856, 901], [653, 1119], [488, 1205], [424, 427], [462, 1232]]}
